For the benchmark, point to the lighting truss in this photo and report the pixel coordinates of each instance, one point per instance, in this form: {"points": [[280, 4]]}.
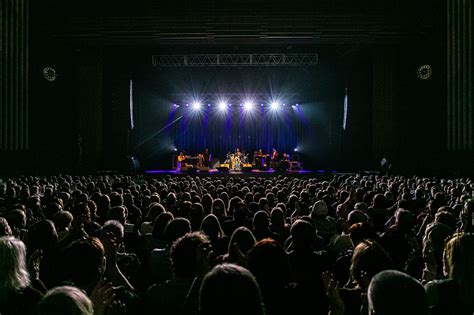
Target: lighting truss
{"points": [[235, 60]]}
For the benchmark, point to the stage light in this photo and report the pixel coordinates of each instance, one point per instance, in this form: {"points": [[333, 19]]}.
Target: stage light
{"points": [[261, 105], [208, 105], [248, 106], [297, 104], [273, 105], [175, 149], [222, 106], [196, 106], [187, 105], [295, 149]]}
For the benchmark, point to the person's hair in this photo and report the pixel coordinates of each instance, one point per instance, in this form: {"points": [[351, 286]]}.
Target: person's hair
{"points": [[379, 201], [230, 289], [115, 227], [184, 253], [42, 235], [394, 292], [154, 210], [5, 229], [371, 258], [13, 275], [160, 223], [118, 213], [84, 260], [81, 209], [16, 218], [261, 220], [243, 238], [269, 263], [459, 263], [62, 219], [356, 216], [176, 228], [219, 208], [303, 233], [211, 226], [361, 231], [65, 300]]}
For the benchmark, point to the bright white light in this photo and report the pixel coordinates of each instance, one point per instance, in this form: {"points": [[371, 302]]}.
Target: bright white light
{"points": [[222, 106], [175, 149], [248, 106], [196, 106], [274, 106], [295, 149]]}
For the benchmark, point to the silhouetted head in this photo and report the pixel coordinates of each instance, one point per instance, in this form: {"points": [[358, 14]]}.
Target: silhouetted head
{"points": [[230, 289]]}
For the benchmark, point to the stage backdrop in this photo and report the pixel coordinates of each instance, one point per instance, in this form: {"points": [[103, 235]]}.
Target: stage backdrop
{"points": [[166, 123]]}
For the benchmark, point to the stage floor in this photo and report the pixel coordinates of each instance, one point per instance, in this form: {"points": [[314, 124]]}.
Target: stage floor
{"points": [[216, 172]]}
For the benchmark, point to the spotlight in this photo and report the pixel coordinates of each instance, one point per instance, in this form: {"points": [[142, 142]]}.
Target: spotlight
{"points": [[187, 105], [248, 106], [174, 105], [208, 105], [196, 106], [222, 106], [175, 149], [274, 106], [295, 149], [261, 105], [297, 104]]}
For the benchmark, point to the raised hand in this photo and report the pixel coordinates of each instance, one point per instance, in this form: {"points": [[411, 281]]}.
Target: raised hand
{"points": [[102, 296], [332, 292]]}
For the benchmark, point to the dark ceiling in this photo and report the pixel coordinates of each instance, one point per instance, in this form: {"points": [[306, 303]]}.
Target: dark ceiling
{"points": [[214, 22]]}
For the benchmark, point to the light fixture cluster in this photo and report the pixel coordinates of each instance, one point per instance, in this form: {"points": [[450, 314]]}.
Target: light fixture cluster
{"points": [[248, 105]]}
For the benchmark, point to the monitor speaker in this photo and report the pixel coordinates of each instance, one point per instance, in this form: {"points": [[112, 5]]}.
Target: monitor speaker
{"points": [[247, 167], [204, 169], [223, 168]]}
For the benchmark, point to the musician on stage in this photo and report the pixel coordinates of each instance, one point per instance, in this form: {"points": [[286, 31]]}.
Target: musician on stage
{"points": [[245, 157], [181, 158], [275, 159], [275, 155], [259, 159], [206, 158], [237, 160]]}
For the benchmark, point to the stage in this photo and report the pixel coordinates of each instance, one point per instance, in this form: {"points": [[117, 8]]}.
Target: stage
{"points": [[252, 173]]}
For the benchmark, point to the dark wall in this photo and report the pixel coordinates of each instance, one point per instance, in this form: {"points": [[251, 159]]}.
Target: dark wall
{"points": [[392, 113]]}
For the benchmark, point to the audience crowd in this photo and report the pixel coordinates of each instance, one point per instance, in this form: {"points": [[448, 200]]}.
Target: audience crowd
{"points": [[348, 244]]}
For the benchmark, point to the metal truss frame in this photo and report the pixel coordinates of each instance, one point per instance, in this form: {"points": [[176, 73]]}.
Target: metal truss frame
{"points": [[202, 60]]}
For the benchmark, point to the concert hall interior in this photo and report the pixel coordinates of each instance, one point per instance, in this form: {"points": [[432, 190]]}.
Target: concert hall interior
{"points": [[351, 84], [236, 157]]}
